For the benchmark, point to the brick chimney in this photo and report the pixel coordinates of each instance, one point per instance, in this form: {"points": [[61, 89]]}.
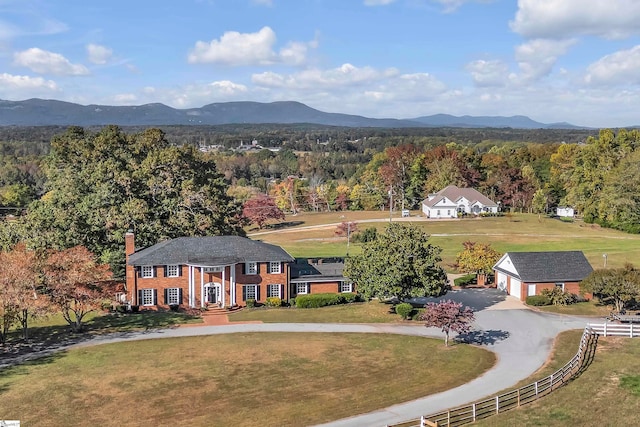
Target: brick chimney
{"points": [[130, 275], [129, 243]]}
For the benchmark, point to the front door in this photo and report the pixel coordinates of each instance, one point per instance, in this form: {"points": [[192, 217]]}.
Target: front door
{"points": [[212, 293]]}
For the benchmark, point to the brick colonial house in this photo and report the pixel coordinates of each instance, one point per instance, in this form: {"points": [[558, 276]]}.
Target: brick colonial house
{"points": [[524, 274], [196, 271], [223, 270]]}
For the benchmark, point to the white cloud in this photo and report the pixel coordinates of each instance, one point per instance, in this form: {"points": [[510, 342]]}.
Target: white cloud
{"points": [[344, 75], [22, 87], [45, 62], [236, 49], [99, 54], [536, 58], [488, 73], [197, 95], [560, 19], [619, 68]]}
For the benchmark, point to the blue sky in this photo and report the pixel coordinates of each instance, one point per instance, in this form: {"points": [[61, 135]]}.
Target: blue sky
{"points": [[552, 60]]}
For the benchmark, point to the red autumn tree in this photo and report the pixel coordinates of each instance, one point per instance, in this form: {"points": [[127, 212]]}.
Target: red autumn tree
{"points": [[346, 228], [449, 316], [20, 280], [77, 284], [260, 209]]}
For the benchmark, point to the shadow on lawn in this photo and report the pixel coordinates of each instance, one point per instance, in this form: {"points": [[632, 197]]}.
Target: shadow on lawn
{"points": [[45, 342]]}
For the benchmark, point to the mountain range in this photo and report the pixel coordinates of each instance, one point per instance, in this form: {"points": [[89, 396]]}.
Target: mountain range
{"points": [[44, 112]]}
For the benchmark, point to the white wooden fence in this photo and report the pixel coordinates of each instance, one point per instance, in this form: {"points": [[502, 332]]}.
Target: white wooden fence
{"points": [[512, 399]]}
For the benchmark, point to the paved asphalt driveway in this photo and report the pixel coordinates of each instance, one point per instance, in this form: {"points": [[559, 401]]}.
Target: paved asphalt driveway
{"points": [[520, 337]]}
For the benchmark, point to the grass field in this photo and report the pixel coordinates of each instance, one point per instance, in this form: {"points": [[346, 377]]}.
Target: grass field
{"points": [[606, 394], [368, 312], [266, 379], [521, 232]]}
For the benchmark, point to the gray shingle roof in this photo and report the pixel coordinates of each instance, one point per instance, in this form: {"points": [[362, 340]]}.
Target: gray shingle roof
{"points": [[313, 272], [454, 193], [209, 251], [558, 266]]}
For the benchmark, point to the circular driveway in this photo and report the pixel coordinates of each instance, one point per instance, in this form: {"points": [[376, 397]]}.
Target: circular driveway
{"points": [[521, 338]]}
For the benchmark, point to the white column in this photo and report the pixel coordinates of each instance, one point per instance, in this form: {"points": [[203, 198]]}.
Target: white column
{"points": [[201, 284], [224, 270], [232, 284], [202, 299], [189, 284]]}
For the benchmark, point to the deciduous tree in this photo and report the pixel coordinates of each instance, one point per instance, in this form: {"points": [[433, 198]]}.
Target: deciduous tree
{"points": [[101, 185], [21, 285], [615, 286], [77, 284], [449, 316], [260, 209], [398, 263], [477, 258]]}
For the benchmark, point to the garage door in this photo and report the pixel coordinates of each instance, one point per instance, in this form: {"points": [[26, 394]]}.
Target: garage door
{"points": [[502, 281], [515, 287]]}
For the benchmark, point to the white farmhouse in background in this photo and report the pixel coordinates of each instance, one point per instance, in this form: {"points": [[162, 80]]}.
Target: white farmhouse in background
{"points": [[451, 200]]}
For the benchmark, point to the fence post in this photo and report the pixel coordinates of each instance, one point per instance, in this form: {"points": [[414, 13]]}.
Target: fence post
{"points": [[630, 330], [497, 404], [551, 383], [448, 418], [474, 412], [536, 384], [422, 424], [605, 329]]}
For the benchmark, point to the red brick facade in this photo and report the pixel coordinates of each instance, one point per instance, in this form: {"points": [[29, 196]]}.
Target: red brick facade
{"points": [[150, 287]]}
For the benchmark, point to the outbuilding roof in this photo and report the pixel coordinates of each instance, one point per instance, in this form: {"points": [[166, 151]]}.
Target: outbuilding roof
{"points": [[209, 251], [555, 266]]}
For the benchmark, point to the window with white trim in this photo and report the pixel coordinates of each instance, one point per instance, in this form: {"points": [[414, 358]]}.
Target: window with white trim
{"points": [[250, 292], [274, 268], [173, 271], [173, 296], [346, 287], [302, 288], [274, 290], [147, 296], [146, 271], [560, 285], [251, 267]]}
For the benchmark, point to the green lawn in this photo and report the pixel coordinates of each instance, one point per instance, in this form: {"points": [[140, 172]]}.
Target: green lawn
{"points": [[589, 308], [267, 379], [606, 394], [521, 232], [367, 312]]}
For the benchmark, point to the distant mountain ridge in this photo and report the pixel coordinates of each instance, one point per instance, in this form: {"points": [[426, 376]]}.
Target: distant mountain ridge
{"points": [[42, 112]]}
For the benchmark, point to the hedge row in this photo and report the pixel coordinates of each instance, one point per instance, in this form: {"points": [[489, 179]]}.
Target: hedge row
{"points": [[465, 280], [322, 300]]}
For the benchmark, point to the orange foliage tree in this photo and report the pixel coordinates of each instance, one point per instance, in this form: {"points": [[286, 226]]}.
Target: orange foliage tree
{"points": [[21, 284], [77, 284]]}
